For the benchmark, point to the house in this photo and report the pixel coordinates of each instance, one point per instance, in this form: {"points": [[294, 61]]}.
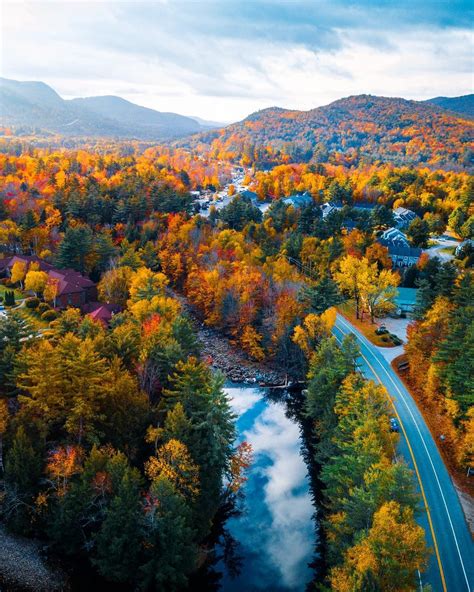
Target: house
{"points": [[102, 312], [393, 236], [73, 288], [8, 262], [403, 256], [299, 200], [330, 207], [403, 217]]}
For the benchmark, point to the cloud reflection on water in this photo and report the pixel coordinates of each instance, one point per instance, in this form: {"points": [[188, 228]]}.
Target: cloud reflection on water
{"points": [[276, 532]]}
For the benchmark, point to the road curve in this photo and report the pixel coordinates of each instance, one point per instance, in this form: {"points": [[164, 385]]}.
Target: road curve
{"points": [[451, 567]]}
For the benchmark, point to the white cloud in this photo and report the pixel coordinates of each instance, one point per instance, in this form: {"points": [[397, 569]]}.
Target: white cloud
{"points": [[225, 60], [286, 540]]}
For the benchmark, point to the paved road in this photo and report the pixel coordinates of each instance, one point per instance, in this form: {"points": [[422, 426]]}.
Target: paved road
{"points": [[451, 567]]}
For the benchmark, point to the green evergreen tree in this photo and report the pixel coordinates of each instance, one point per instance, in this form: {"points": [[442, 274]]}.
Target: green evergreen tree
{"points": [[170, 550], [22, 473], [119, 540], [104, 252], [321, 295], [419, 233], [329, 366], [425, 296], [75, 248]]}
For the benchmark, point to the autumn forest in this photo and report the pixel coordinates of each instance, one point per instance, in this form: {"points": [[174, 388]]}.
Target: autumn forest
{"points": [[236, 356]]}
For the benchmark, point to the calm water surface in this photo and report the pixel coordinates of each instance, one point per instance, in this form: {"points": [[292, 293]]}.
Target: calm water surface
{"points": [[275, 532]]}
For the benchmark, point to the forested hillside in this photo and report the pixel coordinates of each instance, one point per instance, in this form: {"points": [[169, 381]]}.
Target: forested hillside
{"points": [[118, 440], [34, 107], [350, 131], [463, 106]]}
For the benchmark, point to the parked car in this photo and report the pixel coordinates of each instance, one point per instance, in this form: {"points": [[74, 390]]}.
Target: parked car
{"points": [[381, 330], [394, 427]]}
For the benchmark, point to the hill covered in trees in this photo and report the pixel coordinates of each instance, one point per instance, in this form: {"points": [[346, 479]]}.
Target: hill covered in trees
{"points": [[349, 131], [35, 106], [462, 105]]}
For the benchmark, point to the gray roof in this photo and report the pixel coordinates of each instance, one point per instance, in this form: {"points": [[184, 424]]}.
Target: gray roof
{"points": [[404, 251], [299, 200]]}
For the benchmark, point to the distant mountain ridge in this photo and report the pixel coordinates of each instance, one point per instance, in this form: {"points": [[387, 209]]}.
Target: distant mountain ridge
{"points": [[36, 106], [462, 105], [361, 128]]}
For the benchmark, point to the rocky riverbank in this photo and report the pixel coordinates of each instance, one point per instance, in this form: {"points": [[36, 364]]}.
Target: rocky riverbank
{"points": [[23, 569], [230, 360], [227, 357]]}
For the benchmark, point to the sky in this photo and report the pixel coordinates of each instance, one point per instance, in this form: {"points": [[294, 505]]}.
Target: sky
{"points": [[223, 59]]}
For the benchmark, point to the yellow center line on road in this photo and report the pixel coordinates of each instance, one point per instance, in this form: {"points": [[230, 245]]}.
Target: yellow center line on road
{"points": [[438, 557], [364, 341]]}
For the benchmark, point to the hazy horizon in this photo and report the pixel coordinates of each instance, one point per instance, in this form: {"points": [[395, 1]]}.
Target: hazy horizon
{"points": [[222, 60]]}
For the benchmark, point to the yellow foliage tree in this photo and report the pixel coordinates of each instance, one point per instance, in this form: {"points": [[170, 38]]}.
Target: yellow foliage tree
{"points": [[18, 272], [51, 290], [145, 284], [390, 555], [174, 462], [314, 328], [36, 281], [250, 341]]}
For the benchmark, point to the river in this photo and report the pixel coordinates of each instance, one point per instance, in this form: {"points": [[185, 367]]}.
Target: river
{"points": [[275, 533]]}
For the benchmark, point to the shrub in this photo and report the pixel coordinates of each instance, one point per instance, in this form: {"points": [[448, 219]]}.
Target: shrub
{"points": [[9, 298], [49, 315], [32, 303], [1, 298], [43, 307]]}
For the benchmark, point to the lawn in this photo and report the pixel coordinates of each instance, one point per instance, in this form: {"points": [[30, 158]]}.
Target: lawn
{"points": [[448, 250], [367, 329]]}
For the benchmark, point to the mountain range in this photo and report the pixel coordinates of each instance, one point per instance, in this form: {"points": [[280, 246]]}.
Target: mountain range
{"points": [[439, 131], [35, 106]]}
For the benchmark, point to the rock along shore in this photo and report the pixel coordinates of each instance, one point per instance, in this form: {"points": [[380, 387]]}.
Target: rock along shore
{"points": [[227, 357]]}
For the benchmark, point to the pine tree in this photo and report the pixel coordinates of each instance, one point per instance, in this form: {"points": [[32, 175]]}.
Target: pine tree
{"points": [[170, 551], [322, 295], [23, 463], [119, 540], [104, 252], [75, 248], [425, 296]]}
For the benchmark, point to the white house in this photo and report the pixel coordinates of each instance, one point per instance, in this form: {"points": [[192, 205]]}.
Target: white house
{"points": [[403, 256], [330, 207], [403, 217], [393, 236]]}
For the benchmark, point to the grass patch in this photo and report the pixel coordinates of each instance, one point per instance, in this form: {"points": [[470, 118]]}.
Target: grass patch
{"points": [[448, 250], [367, 329]]}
